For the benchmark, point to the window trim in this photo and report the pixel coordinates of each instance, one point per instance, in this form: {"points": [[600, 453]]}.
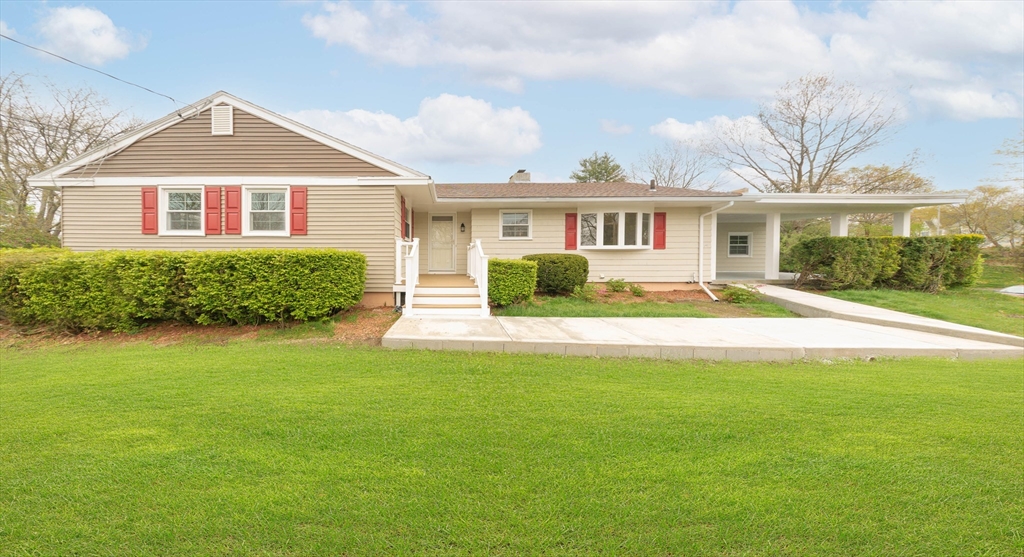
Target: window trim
{"points": [[163, 205], [501, 225], [246, 202], [600, 211], [750, 244]]}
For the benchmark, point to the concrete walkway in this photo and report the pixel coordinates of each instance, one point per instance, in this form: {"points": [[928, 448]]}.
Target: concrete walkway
{"points": [[815, 305], [683, 338]]}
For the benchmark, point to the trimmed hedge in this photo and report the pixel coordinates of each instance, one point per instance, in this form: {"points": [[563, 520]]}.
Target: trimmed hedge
{"points": [[511, 281], [928, 264], [560, 273], [121, 290]]}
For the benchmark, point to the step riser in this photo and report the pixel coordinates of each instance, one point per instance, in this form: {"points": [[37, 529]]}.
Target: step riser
{"points": [[446, 300], [446, 291], [446, 312]]}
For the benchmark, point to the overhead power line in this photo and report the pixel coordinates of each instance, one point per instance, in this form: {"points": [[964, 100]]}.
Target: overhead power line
{"points": [[101, 72]]}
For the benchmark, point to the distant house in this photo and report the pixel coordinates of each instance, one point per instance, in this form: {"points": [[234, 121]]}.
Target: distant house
{"points": [[224, 173]]}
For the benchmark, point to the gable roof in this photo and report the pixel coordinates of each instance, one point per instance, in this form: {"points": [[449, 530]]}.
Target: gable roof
{"points": [[118, 144], [562, 190]]}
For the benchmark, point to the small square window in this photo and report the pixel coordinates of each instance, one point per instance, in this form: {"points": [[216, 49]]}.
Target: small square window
{"points": [[266, 211], [515, 225], [181, 211], [739, 245]]}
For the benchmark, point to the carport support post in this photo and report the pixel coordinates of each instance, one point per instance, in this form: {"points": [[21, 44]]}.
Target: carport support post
{"points": [[772, 239], [901, 224], [840, 224]]}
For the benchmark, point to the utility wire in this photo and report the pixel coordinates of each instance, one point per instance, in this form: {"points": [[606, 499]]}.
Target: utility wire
{"points": [[101, 72]]}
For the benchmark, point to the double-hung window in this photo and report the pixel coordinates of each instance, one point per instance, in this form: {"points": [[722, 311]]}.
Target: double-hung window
{"points": [[615, 229], [266, 211], [739, 244], [516, 225], [182, 213]]}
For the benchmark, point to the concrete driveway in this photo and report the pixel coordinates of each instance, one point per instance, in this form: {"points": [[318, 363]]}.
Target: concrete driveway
{"points": [[757, 339]]}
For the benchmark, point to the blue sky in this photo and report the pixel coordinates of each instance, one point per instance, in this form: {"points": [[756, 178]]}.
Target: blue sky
{"points": [[474, 91]]}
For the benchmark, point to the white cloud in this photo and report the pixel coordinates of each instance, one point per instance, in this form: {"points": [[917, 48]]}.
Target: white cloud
{"points": [[85, 35], [697, 132], [614, 128], [447, 128], [9, 31], [717, 49]]}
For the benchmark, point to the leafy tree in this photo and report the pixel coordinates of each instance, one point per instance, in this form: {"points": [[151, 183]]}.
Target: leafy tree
{"points": [[801, 139], [675, 165], [599, 168], [35, 134]]}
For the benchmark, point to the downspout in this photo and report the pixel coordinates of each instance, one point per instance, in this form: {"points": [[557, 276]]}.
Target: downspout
{"points": [[700, 247]]}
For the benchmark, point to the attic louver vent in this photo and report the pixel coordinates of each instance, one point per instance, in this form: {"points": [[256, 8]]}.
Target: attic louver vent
{"points": [[223, 120]]}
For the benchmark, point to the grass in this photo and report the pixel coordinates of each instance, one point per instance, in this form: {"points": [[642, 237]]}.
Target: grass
{"points": [[557, 306], [1000, 276], [260, 448], [978, 306]]}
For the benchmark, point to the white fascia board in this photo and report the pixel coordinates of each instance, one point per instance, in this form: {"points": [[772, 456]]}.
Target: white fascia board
{"points": [[233, 181], [856, 199], [699, 201], [222, 97]]}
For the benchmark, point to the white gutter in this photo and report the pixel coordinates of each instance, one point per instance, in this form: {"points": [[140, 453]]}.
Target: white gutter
{"points": [[700, 247]]}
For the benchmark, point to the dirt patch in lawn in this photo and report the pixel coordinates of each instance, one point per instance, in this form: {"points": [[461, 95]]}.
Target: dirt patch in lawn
{"points": [[364, 326]]}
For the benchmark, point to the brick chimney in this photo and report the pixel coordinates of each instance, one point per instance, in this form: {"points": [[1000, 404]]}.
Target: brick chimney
{"points": [[521, 175]]}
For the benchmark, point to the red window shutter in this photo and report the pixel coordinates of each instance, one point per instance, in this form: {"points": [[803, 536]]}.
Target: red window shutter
{"points": [[232, 210], [150, 216], [659, 230], [403, 218], [570, 231], [212, 219], [298, 210]]}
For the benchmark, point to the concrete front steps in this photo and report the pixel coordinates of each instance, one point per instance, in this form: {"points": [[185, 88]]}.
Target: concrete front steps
{"points": [[447, 301]]}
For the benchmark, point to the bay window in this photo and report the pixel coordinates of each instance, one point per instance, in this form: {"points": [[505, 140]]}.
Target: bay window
{"points": [[615, 229]]}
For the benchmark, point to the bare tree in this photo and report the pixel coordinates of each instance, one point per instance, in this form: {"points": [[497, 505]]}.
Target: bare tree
{"points": [[36, 134], [814, 126], [675, 165], [997, 212]]}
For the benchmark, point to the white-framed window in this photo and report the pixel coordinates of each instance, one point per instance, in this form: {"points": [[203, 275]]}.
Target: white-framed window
{"points": [[265, 211], [615, 229], [181, 210], [515, 225], [739, 244]]}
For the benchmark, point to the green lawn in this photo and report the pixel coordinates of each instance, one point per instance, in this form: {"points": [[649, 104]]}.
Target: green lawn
{"points": [[557, 306], [1000, 276], [979, 306], [275, 448]]}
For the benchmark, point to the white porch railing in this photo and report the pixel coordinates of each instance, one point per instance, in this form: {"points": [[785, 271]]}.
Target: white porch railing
{"points": [[476, 268], [407, 269]]}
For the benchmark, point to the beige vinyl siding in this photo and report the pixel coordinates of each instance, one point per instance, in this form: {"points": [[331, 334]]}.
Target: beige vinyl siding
{"points": [[359, 218], [752, 264], [676, 263], [257, 148], [462, 239]]}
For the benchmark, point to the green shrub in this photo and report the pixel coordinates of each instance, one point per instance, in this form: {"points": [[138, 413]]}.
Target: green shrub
{"points": [[121, 290], [587, 293], [738, 295], [560, 273], [637, 290], [511, 281], [964, 264], [12, 263], [927, 264], [838, 262], [252, 286], [616, 285]]}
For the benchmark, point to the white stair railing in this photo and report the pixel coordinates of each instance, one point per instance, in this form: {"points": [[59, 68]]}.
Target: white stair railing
{"points": [[407, 270], [476, 268]]}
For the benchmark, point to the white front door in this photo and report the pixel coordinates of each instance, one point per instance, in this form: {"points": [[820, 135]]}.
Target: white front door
{"points": [[441, 247]]}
